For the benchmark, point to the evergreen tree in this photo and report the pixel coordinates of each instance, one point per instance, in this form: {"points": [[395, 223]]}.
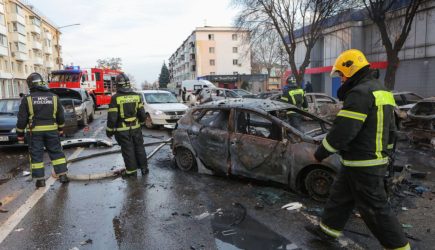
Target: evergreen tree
{"points": [[164, 76]]}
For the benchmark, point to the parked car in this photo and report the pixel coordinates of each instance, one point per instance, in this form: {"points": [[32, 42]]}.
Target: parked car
{"points": [[245, 137], [84, 104], [406, 100], [161, 108], [214, 94], [192, 86], [8, 121], [420, 123], [320, 104]]}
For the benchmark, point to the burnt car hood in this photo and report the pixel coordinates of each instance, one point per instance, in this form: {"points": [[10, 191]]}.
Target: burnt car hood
{"points": [[66, 93], [7, 122]]}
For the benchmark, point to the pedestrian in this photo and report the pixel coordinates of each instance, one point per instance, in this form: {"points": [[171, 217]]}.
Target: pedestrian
{"points": [[124, 118], [308, 87], [183, 94], [362, 134], [42, 114]]}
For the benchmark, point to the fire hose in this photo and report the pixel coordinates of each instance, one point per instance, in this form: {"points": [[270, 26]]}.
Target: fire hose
{"points": [[111, 173]]}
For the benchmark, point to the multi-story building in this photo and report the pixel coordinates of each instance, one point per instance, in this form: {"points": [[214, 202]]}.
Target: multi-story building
{"points": [[353, 29], [211, 51], [29, 42]]}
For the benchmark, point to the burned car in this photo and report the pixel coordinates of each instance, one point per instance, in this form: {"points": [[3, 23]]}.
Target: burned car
{"points": [[320, 104], [420, 123], [260, 139]]}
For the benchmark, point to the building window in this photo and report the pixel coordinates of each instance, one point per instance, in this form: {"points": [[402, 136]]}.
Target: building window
{"points": [[21, 47], [210, 36], [6, 65], [19, 10], [235, 61], [18, 27], [212, 62], [211, 50], [3, 40], [212, 73], [2, 19], [26, 69], [12, 66], [234, 37], [234, 49], [35, 21]]}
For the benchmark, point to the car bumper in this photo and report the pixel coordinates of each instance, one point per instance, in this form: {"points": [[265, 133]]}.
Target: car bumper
{"points": [[166, 119], [10, 140]]}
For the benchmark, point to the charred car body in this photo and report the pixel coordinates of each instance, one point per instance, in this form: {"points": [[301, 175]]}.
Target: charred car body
{"points": [[419, 125], [254, 139]]}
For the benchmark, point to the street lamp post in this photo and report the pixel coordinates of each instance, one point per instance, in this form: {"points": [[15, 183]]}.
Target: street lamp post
{"points": [[57, 41]]}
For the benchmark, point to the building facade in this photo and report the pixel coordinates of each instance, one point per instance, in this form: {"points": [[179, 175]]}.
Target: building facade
{"points": [[211, 51], [353, 29], [29, 42]]}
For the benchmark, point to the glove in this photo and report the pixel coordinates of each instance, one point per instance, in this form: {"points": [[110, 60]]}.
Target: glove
{"points": [[60, 132], [321, 153]]}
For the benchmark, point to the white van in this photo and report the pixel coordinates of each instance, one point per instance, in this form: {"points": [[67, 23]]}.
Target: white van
{"points": [[193, 85]]}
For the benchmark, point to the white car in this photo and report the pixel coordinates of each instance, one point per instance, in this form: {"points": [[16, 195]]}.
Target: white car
{"points": [[161, 108]]}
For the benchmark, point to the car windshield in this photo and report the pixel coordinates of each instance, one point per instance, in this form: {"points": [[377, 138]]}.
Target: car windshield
{"points": [[160, 98], [9, 106], [242, 92], [305, 123], [65, 77]]}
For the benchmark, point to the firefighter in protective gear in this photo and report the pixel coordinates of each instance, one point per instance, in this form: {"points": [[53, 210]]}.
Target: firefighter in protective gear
{"points": [[124, 119], [294, 95], [42, 115], [362, 134]]}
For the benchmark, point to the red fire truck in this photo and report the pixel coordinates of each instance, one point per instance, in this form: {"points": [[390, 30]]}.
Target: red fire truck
{"points": [[100, 83]]}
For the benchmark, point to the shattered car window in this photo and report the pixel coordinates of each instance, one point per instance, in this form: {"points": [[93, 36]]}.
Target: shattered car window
{"points": [[254, 124], [215, 119], [306, 124]]}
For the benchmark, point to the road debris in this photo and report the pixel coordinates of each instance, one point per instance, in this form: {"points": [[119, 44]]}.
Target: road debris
{"points": [[292, 206], [19, 229], [86, 242], [406, 225], [26, 173]]}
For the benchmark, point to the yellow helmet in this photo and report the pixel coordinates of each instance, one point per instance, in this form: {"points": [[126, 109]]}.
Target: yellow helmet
{"points": [[349, 62]]}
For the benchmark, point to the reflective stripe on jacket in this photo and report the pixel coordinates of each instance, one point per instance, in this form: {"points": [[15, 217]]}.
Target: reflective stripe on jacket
{"points": [[125, 111]]}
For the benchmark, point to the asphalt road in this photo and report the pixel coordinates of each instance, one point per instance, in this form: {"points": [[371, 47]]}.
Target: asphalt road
{"points": [[171, 209]]}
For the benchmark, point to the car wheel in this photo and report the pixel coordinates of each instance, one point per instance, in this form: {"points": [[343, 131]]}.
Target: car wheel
{"points": [[185, 160], [149, 122], [318, 182], [85, 119]]}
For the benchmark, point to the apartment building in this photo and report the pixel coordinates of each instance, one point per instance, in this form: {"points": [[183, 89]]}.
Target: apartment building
{"points": [[29, 42], [211, 51]]}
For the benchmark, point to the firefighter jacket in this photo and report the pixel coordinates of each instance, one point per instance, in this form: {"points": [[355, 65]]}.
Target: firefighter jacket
{"points": [[40, 111], [125, 111], [363, 130], [296, 97]]}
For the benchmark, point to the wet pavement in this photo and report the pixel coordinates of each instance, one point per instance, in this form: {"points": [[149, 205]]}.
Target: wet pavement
{"points": [[172, 209]]}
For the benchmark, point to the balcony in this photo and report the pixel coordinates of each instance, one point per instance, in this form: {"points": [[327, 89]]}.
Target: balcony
{"points": [[3, 30], [35, 29], [3, 51], [48, 50], [38, 61], [16, 37], [14, 17], [36, 45], [48, 35], [20, 56], [49, 64]]}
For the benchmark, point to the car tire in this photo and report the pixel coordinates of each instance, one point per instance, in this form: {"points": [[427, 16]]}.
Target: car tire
{"points": [[149, 122], [185, 159], [318, 183], [85, 119]]}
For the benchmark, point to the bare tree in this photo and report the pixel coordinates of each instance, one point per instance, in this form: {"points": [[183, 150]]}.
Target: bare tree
{"points": [[393, 40], [294, 21], [111, 63], [266, 52]]}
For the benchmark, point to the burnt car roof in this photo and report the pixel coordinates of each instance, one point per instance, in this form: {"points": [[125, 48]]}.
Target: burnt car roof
{"points": [[262, 104]]}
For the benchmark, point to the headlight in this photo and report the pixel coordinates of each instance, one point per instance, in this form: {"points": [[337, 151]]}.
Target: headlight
{"points": [[13, 130], [158, 112]]}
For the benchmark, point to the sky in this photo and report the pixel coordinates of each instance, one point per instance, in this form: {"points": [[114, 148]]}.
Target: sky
{"points": [[144, 33]]}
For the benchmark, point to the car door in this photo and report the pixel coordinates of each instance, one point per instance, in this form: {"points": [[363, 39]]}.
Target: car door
{"points": [[327, 107], [211, 140], [256, 147]]}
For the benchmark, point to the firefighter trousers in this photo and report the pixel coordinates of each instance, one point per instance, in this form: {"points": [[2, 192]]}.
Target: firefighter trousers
{"points": [[363, 188], [132, 149], [50, 140]]}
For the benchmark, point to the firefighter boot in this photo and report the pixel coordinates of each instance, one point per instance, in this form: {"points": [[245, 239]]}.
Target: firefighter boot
{"points": [[328, 240], [63, 179], [40, 183], [144, 170]]}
